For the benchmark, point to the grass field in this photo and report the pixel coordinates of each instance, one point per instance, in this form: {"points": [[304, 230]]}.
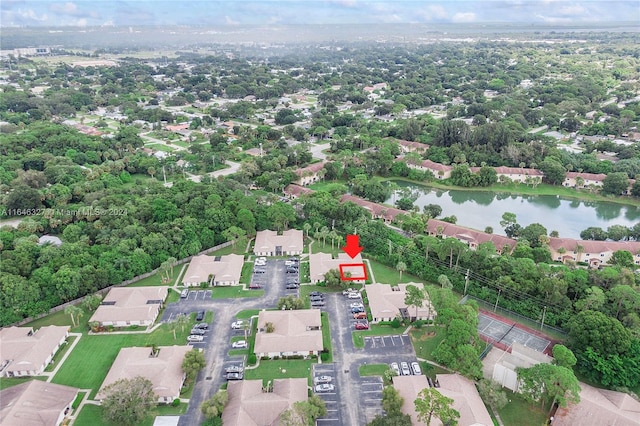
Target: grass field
{"points": [[60, 318], [160, 147], [156, 279], [247, 271], [425, 340], [7, 382], [280, 369], [234, 291], [247, 313], [326, 335], [387, 275], [58, 356], [374, 330], [238, 249], [519, 412], [88, 364], [91, 415], [373, 369]]}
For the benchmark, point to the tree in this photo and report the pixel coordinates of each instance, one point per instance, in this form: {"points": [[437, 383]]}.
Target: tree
{"points": [[128, 401], [304, 413], [563, 356], [554, 171], [532, 233], [181, 320], [290, 302], [214, 406], [391, 420], [401, 267], [547, 382], [622, 258], [444, 281], [492, 393], [74, 312], [269, 327], [391, 400], [193, 362], [432, 210], [91, 302], [615, 183], [605, 335], [431, 403]]}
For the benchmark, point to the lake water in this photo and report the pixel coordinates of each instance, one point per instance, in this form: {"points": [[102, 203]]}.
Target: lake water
{"points": [[479, 209]]}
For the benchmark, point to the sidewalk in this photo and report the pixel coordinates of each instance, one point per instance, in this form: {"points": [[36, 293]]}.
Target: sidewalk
{"points": [[77, 336]]}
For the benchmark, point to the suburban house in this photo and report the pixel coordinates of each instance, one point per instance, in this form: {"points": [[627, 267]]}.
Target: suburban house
{"points": [[586, 179], [25, 352], [249, 404], [504, 370], [321, 263], [310, 174], [124, 306], [269, 243], [214, 270], [295, 332], [409, 387], [599, 407], [36, 403], [387, 302], [471, 237], [378, 211], [294, 191], [163, 369], [408, 146], [466, 399], [595, 253], [519, 174], [440, 171]]}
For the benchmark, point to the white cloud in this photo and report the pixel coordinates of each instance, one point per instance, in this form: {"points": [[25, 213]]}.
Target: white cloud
{"points": [[67, 8], [82, 22], [462, 17], [572, 10], [230, 21], [29, 14], [437, 11]]}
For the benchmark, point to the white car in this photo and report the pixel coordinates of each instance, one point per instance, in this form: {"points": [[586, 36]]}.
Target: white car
{"points": [[237, 325], [349, 290], [356, 305], [239, 344], [194, 338], [325, 387], [416, 368], [395, 368], [404, 367], [322, 379], [353, 296]]}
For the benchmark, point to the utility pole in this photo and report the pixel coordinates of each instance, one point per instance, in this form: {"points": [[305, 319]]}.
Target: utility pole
{"points": [[496, 305], [466, 282], [544, 313], [164, 175]]}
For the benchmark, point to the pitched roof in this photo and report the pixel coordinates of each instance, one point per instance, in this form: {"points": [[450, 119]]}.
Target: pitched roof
{"points": [[503, 170], [130, 304], [469, 235], [432, 165], [248, 405], [411, 144], [586, 176], [386, 301], [321, 263], [600, 407], [466, 399], [26, 350], [311, 168], [380, 210], [34, 403], [592, 246], [409, 387], [297, 190], [267, 241], [164, 370], [294, 331], [224, 268]]}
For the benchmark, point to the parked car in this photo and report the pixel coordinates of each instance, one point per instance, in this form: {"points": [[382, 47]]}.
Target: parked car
{"points": [[292, 286], [234, 376], [202, 325], [404, 367], [360, 315], [325, 387], [184, 294], [292, 271], [239, 344], [356, 305], [198, 331], [416, 368], [317, 303], [234, 369], [259, 270], [237, 325], [395, 368], [200, 316], [322, 379], [259, 262], [362, 326], [357, 310], [349, 290], [194, 338], [312, 298], [353, 296], [255, 286], [316, 293]]}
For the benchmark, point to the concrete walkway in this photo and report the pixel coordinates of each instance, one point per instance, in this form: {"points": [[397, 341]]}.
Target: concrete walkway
{"points": [[66, 355], [372, 277], [85, 400]]}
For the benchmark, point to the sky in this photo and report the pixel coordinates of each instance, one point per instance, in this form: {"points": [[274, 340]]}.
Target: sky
{"points": [[50, 13]]}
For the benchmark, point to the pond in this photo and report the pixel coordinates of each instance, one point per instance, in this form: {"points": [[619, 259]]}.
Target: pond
{"points": [[479, 209]]}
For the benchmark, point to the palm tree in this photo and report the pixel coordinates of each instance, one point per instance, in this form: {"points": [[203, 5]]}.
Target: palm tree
{"points": [[324, 233], [246, 326], [401, 267], [173, 326], [579, 250], [333, 235], [182, 320], [74, 312], [306, 227]]}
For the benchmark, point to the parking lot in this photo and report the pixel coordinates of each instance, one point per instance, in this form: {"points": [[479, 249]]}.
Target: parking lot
{"points": [[195, 295], [371, 396], [391, 343], [331, 399]]}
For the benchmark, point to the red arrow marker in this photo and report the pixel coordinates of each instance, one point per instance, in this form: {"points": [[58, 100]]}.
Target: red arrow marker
{"points": [[353, 247]]}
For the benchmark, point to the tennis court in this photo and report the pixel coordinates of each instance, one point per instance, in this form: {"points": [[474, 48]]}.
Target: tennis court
{"points": [[504, 333]]}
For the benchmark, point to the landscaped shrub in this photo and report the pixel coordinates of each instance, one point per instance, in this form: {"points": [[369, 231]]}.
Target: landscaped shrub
{"points": [[324, 356], [418, 323], [252, 359], [396, 323], [176, 402]]}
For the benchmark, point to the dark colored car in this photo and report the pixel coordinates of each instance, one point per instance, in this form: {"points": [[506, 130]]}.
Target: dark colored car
{"points": [[202, 325], [200, 316], [234, 376], [316, 298], [357, 310], [292, 286], [317, 303], [316, 293]]}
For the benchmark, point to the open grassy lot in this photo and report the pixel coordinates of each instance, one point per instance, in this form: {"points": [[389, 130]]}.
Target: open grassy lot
{"points": [[60, 318], [7, 382], [88, 364], [160, 147], [374, 330], [247, 313], [280, 369], [387, 275], [519, 412], [91, 415], [247, 270], [373, 369], [425, 340], [234, 291], [58, 356], [238, 249], [156, 279], [326, 335]]}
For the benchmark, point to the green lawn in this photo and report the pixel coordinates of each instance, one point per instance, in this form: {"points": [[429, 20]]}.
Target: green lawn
{"points": [[160, 147], [519, 412], [238, 249], [373, 369], [156, 279], [280, 369], [326, 335], [58, 356], [247, 271], [234, 291], [60, 318], [7, 382], [91, 415], [374, 330], [425, 340], [387, 275], [247, 313], [88, 364]]}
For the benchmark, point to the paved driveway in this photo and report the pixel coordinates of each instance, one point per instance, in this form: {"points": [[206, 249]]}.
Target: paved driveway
{"points": [[332, 400]]}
